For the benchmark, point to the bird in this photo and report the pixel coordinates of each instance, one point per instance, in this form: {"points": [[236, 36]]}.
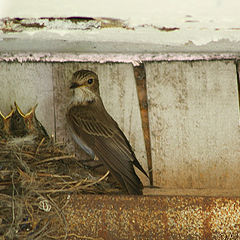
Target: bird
{"points": [[17, 125], [98, 134], [2, 120], [32, 124], [5, 124]]}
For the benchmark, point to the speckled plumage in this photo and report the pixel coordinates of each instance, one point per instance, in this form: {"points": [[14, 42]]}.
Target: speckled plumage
{"points": [[98, 134]]}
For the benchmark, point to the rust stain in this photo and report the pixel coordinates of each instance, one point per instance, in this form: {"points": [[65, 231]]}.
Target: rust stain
{"points": [[113, 23], [7, 27], [8, 30], [191, 21], [32, 25], [110, 22], [153, 217], [18, 24], [167, 29], [164, 29], [238, 80], [140, 77], [206, 224], [73, 19], [15, 24]]}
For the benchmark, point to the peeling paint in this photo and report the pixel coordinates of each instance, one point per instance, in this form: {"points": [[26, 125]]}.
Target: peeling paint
{"points": [[135, 59], [32, 25], [164, 29], [167, 29], [153, 37], [191, 21], [23, 24], [113, 22], [18, 24], [76, 23], [72, 19]]}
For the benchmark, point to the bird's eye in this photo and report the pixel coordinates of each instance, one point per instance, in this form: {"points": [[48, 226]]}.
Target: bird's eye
{"points": [[90, 81]]}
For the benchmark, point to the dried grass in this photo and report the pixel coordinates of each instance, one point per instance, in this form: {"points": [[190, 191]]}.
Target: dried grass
{"points": [[35, 180]]}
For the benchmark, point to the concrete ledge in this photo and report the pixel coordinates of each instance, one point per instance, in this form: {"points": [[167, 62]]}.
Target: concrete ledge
{"points": [[133, 58], [103, 34]]}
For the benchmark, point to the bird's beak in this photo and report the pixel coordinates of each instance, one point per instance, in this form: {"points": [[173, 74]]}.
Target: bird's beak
{"points": [[74, 85]]}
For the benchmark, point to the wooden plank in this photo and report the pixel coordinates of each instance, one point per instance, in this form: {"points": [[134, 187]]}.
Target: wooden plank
{"points": [[28, 84], [194, 124], [118, 91]]}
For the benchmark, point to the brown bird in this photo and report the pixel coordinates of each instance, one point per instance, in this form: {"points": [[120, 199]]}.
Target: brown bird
{"points": [[5, 124], [21, 125], [95, 131]]}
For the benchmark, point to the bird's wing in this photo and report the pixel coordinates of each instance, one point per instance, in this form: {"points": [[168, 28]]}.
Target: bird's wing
{"points": [[97, 126], [102, 135]]}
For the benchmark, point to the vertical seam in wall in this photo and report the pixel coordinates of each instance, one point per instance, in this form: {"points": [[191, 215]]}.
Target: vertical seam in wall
{"points": [[54, 107], [238, 85], [141, 85]]}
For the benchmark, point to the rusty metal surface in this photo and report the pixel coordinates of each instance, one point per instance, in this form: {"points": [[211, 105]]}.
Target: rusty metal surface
{"points": [[152, 217]]}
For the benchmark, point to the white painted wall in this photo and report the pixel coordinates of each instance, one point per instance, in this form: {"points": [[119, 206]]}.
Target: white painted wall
{"points": [[208, 13], [214, 23]]}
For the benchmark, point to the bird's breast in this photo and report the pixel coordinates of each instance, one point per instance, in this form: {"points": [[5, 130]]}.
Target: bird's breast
{"points": [[82, 96]]}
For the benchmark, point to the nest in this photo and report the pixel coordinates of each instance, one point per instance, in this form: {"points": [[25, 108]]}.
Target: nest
{"points": [[36, 178]]}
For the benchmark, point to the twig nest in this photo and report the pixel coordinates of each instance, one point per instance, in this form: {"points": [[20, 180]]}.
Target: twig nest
{"points": [[36, 176]]}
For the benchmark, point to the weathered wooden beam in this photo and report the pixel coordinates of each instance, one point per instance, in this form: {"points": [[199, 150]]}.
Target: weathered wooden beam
{"points": [[194, 124]]}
